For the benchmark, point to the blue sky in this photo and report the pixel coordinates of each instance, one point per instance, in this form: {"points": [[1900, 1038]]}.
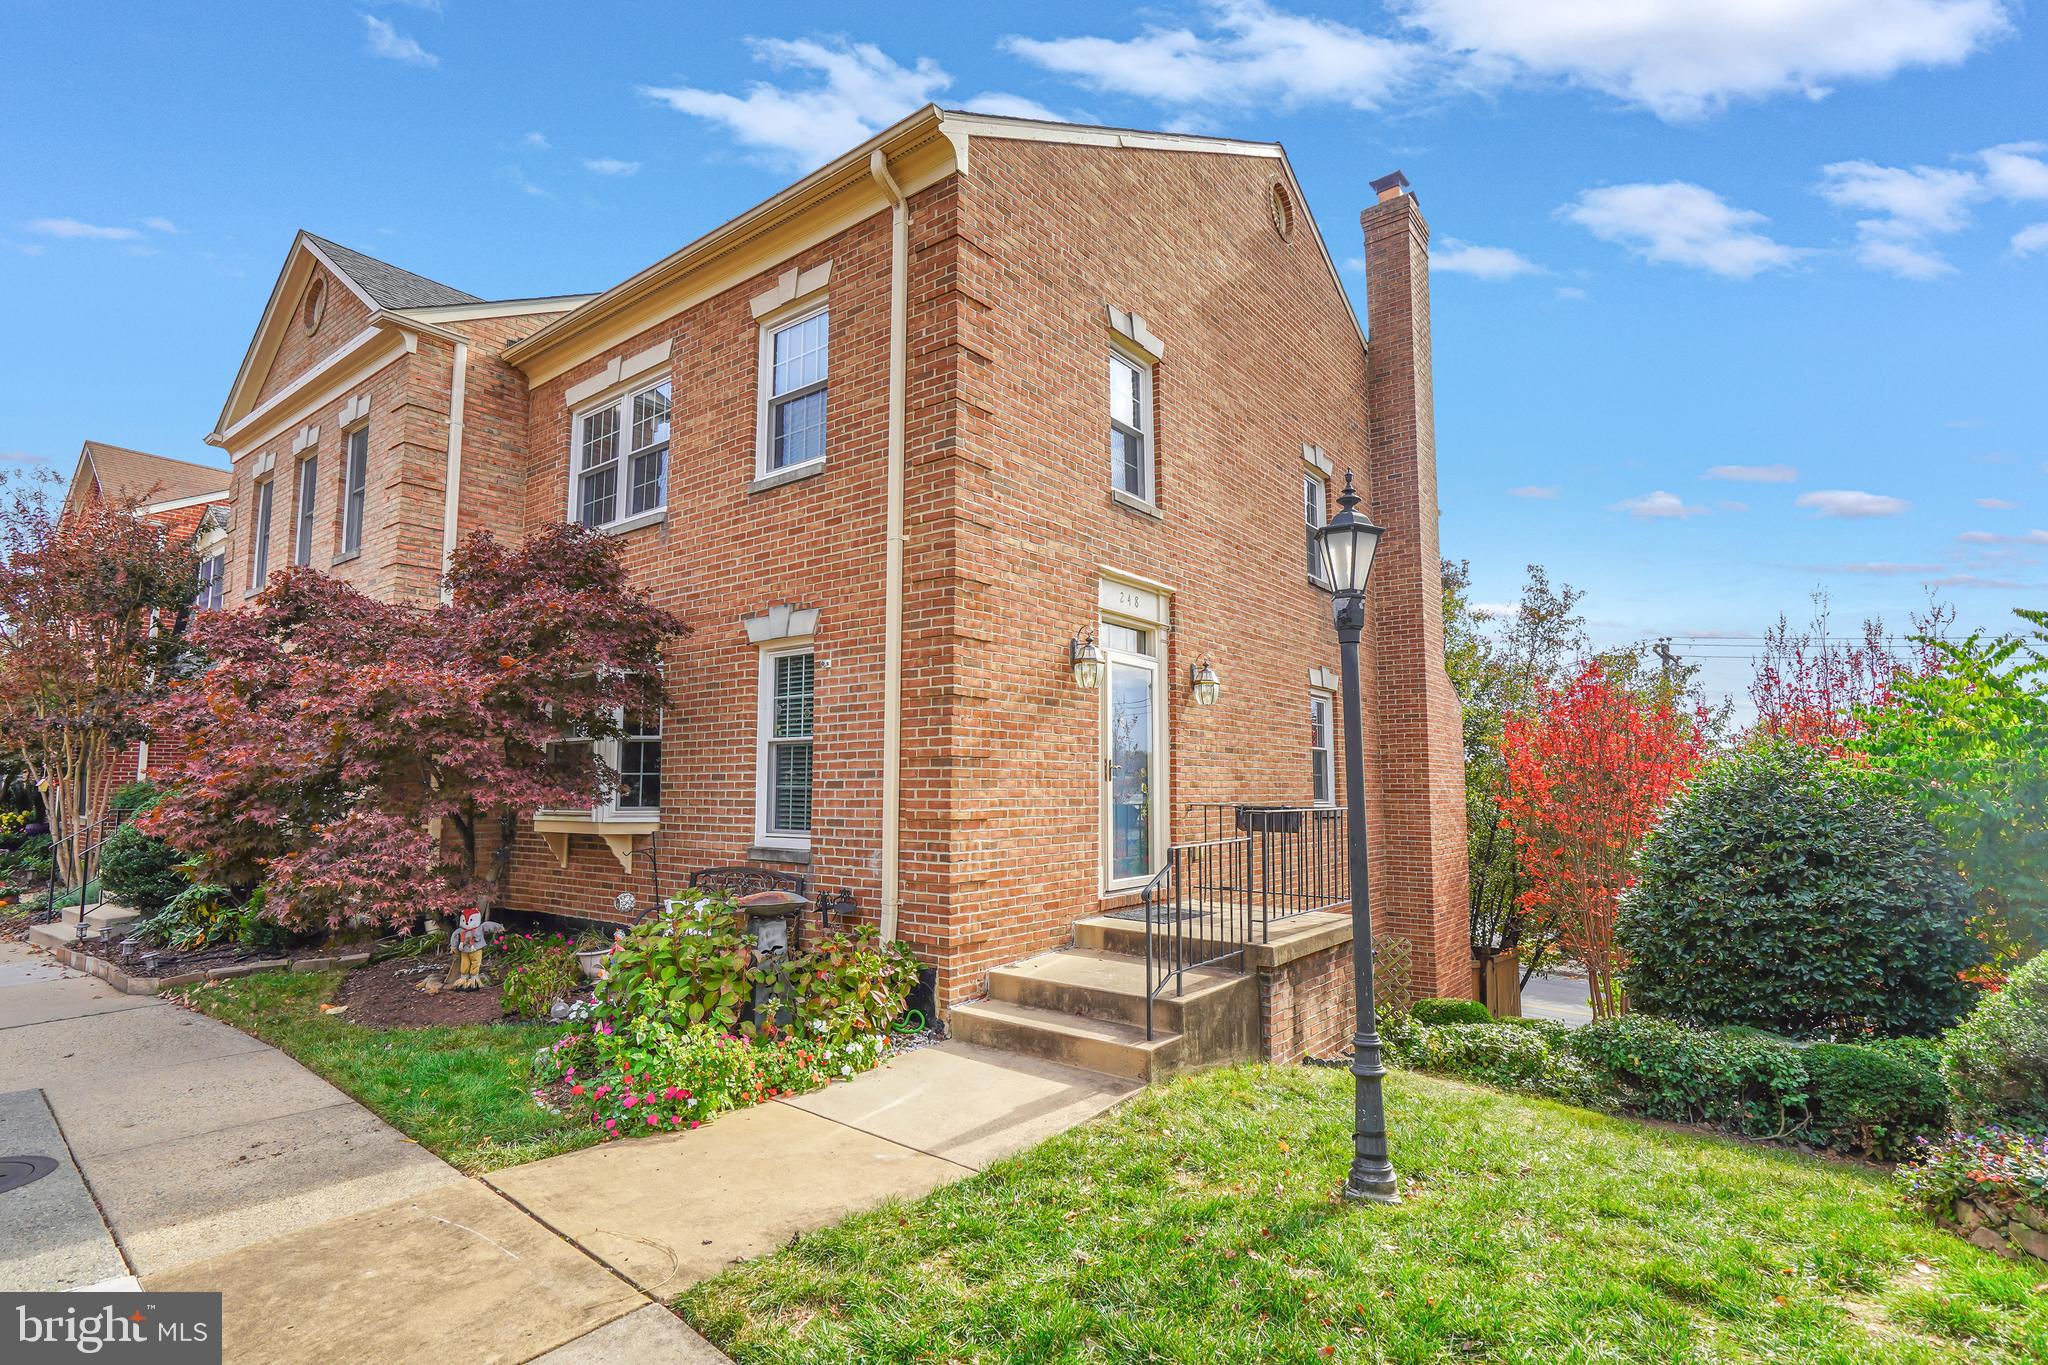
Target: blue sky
{"points": [[1733, 300]]}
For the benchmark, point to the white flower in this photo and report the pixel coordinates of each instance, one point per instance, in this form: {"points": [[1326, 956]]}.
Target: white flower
{"points": [[846, 1071]]}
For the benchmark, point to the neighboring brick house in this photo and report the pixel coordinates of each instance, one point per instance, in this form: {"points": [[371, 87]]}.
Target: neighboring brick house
{"points": [[186, 499], [892, 441]]}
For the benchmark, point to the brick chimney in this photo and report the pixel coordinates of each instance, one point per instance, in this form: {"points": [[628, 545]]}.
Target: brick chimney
{"points": [[1420, 873]]}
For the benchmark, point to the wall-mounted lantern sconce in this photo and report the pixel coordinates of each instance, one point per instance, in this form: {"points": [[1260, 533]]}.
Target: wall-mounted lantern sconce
{"points": [[1206, 686], [1086, 658]]}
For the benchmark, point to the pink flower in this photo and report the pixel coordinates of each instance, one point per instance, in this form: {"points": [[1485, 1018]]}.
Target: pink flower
{"points": [[694, 1123], [631, 1100], [676, 1121], [612, 1124], [603, 1090], [653, 1120]]}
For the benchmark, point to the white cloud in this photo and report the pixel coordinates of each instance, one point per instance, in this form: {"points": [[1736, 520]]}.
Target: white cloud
{"points": [[1879, 567], [1496, 611], [388, 43], [863, 91], [1731, 505], [160, 225], [1753, 473], [536, 142], [1913, 203], [1998, 505], [1685, 59], [515, 176], [2016, 170], [1658, 506], [609, 165], [1482, 262], [2029, 240], [1678, 223], [1570, 292], [1248, 53], [2034, 537], [74, 230], [1011, 106], [1535, 492], [1845, 502]]}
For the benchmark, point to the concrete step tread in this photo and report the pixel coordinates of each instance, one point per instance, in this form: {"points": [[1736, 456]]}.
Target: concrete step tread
{"points": [[1100, 969], [1072, 1025]]}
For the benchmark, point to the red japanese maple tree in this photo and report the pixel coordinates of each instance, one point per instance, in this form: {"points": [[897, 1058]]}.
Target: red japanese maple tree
{"points": [[1588, 772], [339, 736], [88, 601]]}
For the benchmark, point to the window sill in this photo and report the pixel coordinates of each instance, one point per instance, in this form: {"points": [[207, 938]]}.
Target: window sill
{"points": [[1136, 504], [638, 521], [344, 559], [780, 853], [1319, 585], [789, 475], [618, 832]]}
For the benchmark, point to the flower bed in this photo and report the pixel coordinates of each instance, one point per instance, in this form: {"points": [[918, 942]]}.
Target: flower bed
{"points": [[1990, 1187], [668, 1042]]}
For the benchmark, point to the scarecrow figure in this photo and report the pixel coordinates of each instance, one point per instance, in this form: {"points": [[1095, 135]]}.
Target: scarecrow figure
{"points": [[466, 945]]}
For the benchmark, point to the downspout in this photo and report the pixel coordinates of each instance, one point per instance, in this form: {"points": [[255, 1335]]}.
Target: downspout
{"points": [[892, 573], [457, 386]]}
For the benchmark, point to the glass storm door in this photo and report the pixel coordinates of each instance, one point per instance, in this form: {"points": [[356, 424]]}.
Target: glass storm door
{"points": [[1132, 773]]}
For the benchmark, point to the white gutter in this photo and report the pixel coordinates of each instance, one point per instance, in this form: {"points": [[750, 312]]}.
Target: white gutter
{"points": [[452, 497], [892, 590]]}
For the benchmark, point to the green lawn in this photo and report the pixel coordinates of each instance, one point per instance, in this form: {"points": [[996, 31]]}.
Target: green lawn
{"points": [[1197, 1223], [460, 1092]]}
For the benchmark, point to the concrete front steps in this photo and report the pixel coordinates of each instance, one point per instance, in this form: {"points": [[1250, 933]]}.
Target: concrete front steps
{"points": [[1085, 1006]]}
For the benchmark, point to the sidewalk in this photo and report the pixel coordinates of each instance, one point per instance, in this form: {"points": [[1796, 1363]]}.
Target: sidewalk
{"points": [[219, 1163]]}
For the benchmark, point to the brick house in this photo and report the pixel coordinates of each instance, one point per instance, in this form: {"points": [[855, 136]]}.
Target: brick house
{"points": [[896, 442], [186, 499]]}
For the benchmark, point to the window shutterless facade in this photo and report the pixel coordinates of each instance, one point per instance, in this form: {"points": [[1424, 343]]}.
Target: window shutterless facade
{"points": [[639, 764], [355, 485], [1314, 512], [259, 546], [1130, 427], [302, 531], [795, 379], [788, 692], [1322, 749], [621, 458]]}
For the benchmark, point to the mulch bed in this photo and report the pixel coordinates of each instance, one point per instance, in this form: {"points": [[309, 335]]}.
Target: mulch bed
{"points": [[387, 994], [137, 960]]}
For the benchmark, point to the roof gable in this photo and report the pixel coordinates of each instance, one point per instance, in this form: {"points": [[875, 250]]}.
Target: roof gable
{"points": [[120, 474], [379, 285]]}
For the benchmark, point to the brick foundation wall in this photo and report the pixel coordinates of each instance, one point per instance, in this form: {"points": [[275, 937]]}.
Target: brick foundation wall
{"points": [[1305, 1006]]}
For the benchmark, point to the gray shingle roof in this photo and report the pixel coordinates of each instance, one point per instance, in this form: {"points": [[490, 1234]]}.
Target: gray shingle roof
{"points": [[386, 284]]}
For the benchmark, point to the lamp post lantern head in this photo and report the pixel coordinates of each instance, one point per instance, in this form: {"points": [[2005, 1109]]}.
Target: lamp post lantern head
{"points": [[1348, 541]]}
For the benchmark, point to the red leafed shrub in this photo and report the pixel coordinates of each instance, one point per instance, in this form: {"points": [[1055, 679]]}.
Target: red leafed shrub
{"points": [[333, 728], [1588, 772]]}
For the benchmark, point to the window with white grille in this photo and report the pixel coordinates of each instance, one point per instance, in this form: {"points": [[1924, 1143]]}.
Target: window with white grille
{"points": [[788, 692]]}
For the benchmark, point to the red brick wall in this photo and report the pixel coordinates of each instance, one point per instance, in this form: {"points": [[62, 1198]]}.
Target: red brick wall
{"points": [[1305, 1006], [342, 316]]}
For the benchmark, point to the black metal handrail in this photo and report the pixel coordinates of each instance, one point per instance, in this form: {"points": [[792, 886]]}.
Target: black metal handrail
{"points": [[1256, 864], [94, 836]]}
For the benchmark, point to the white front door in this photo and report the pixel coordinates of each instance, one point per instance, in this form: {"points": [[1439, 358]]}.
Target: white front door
{"points": [[1133, 770]]}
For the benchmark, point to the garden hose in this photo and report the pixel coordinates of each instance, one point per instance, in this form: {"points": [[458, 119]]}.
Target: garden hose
{"points": [[911, 1022]]}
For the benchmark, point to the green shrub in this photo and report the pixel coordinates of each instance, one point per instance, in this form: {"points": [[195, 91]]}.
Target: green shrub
{"points": [[141, 870], [133, 797], [1996, 1061], [688, 963], [1874, 1097], [1441, 1011], [532, 986], [1790, 890], [1503, 1055], [204, 914], [849, 986], [1752, 1083]]}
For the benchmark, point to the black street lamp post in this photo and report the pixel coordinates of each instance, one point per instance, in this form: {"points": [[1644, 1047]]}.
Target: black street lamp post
{"points": [[1348, 543]]}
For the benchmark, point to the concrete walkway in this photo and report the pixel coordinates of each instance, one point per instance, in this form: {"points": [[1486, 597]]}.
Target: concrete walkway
{"points": [[212, 1161], [743, 1185]]}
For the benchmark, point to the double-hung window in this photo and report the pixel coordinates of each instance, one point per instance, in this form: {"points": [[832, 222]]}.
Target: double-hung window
{"points": [[212, 570], [1313, 511], [788, 690], [259, 549], [622, 458], [1322, 749], [639, 764], [355, 485], [1130, 427], [796, 369], [302, 531]]}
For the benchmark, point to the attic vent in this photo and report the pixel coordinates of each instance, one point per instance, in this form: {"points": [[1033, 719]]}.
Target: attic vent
{"points": [[315, 303], [1281, 208]]}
